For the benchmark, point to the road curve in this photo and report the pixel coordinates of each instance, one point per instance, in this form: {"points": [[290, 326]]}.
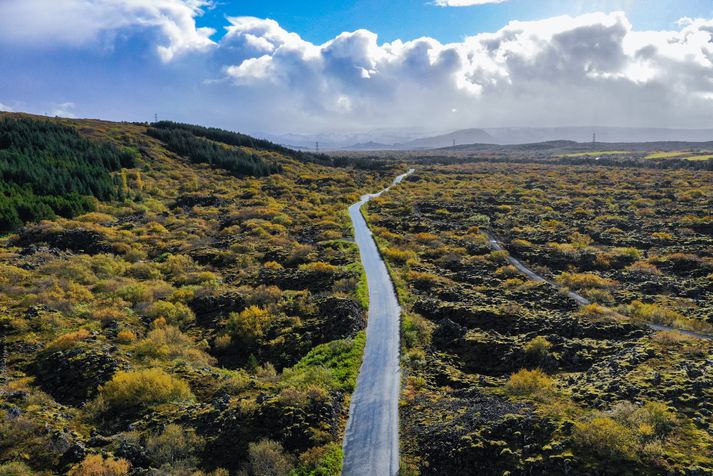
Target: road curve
{"points": [[579, 299], [371, 441]]}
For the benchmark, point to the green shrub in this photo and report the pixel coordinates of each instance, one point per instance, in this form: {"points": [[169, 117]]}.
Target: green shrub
{"points": [[176, 314], [174, 445], [15, 468], [143, 388], [603, 437], [268, 458]]}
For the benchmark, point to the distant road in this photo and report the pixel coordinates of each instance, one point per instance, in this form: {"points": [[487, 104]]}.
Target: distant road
{"points": [[371, 442], [581, 300]]}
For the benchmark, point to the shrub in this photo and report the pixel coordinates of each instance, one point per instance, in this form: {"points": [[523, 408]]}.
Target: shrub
{"points": [[397, 255], [15, 468], [652, 313], [603, 437], [176, 314], [169, 343], [643, 267], [537, 349], [125, 337], [268, 458], [525, 382], [584, 280], [96, 465], [173, 445], [69, 340], [248, 325], [321, 461], [142, 388]]}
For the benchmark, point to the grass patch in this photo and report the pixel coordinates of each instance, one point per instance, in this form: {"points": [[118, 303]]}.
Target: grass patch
{"points": [[334, 365]]}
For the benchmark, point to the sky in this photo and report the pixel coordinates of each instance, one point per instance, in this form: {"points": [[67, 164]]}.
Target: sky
{"points": [[343, 66]]}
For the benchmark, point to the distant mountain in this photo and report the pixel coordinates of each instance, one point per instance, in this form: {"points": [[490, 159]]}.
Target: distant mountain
{"points": [[371, 145], [410, 139], [527, 135], [465, 136]]}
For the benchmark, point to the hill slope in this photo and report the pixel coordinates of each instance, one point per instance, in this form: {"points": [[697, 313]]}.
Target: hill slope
{"points": [[194, 319]]}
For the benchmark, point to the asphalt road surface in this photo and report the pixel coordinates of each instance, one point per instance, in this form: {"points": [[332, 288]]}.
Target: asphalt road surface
{"points": [[371, 442]]}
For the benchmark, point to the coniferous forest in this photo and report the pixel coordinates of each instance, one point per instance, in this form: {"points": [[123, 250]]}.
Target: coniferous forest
{"points": [[48, 169]]}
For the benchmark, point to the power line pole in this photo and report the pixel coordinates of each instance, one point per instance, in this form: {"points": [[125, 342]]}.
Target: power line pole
{"points": [[594, 139], [155, 117], [316, 146]]}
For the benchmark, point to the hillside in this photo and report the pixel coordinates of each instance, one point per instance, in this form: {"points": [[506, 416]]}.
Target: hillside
{"points": [[202, 309]]}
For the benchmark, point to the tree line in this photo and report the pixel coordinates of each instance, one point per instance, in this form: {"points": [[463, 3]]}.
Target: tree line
{"points": [[192, 142], [49, 169]]}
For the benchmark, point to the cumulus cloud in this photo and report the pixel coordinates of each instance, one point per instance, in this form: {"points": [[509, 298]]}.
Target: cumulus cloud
{"points": [[465, 3], [53, 23], [5, 107], [594, 69], [589, 69]]}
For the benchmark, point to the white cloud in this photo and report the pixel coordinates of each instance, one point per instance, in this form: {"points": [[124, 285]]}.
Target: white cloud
{"points": [[5, 108], [594, 69], [65, 109], [589, 69], [465, 3], [53, 23]]}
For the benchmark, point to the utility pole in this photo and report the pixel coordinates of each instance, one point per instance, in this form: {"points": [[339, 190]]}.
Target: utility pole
{"points": [[316, 147], [155, 117], [594, 140]]}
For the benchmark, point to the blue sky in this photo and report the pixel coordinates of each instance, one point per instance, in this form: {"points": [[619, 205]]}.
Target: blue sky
{"points": [[321, 20], [288, 67]]}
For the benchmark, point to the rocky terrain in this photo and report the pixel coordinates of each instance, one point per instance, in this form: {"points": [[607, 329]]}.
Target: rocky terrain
{"points": [[508, 375]]}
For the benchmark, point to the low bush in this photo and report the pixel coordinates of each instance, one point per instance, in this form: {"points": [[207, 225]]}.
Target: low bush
{"points": [[534, 383], [604, 437], [140, 389], [175, 445], [585, 280], [97, 465], [268, 458]]}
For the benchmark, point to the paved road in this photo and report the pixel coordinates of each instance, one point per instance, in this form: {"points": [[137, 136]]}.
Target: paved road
{"points": [[581, 300], [371, 442]]}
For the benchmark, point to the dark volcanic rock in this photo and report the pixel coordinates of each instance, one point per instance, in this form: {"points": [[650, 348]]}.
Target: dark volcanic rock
{"points": [[73, 376], [77, 240], [207, 308], [342, 318]]}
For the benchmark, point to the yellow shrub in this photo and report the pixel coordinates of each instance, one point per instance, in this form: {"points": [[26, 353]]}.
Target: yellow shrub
{"points": [[248, 324], [652, 313], [584, 280], [96, 465], [142, 388], [69, 340], [125, 337], [398, 256], [529, 383]]}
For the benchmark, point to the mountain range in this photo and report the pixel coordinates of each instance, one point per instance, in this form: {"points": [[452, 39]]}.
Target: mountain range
{"points": [[412, 140]]}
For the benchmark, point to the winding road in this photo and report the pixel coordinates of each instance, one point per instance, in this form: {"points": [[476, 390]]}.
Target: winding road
{"points": [[581, 300], [371, 441]]}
